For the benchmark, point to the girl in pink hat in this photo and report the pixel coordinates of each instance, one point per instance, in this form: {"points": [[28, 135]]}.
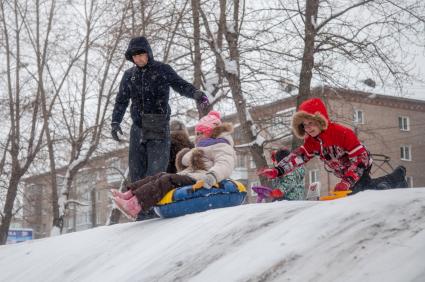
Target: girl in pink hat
{"points": [[211, 161]]}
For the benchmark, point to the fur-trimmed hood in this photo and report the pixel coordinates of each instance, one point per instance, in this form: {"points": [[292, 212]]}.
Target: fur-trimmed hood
{"points": [[179, 140], [197, 159], [222, 130], [312, 109], [214, 155]]}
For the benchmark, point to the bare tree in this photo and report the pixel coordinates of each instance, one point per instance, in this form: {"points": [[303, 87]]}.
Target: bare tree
{"points": [[41, 46], [26, 132], [366, 33], [306, 74], [229, 65], [84, 134], [197, 55]]}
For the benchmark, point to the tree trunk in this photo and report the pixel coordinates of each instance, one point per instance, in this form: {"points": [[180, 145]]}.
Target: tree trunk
{"points": [[41, 62], [231, 71], [6, 219], [247, 124], [307, 65], [93, 208], [197, 72]]}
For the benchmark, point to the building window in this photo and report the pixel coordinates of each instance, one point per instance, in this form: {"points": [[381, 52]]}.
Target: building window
{"points": [[86, 196], [84, 218], [251, 162], [113, 171], [409, 180], [70, 223], [240, 160], [99, 218], [280, 123], [98, 197], [403, 123], [314, 175], [359, 117], [237, 136], [405, 153]]}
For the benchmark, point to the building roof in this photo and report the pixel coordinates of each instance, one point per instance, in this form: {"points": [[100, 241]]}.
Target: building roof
{"points": [[369, 98]]}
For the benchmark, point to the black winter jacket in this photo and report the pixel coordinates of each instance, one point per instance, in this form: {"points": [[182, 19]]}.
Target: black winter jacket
{"points": [[148, 87]]}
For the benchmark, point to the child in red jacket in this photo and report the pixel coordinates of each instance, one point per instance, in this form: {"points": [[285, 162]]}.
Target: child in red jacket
{"points": [[338, 147]]}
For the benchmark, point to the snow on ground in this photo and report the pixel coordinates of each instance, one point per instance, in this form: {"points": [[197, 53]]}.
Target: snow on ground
{"points": [[372, 236]]}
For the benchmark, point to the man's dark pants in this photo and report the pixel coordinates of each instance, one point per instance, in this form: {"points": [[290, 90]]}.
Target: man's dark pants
{"points": [[147, 157]]}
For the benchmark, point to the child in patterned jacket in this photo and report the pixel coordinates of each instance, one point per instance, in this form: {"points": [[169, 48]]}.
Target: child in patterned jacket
{"points": [[292, 184]]}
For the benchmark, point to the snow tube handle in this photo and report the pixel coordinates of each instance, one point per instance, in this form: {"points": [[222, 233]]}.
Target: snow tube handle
{"points": [[200, 184]]}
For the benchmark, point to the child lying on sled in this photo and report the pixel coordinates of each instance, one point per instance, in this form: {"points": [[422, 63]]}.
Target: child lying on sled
{"points": [[211, 161]]}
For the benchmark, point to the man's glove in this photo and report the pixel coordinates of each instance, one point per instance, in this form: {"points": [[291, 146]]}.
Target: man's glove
{"points": [[202, 99], [209, 180], [270, 173], [342, 186], [116, 128]]}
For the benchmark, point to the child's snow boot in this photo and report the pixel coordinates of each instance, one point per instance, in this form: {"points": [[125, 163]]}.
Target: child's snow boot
{"points": [[396, 179], [130, 208], [399, 177], [125, 196]]}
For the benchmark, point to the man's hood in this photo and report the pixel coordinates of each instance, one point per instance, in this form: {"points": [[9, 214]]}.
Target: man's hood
{"points": [[138, 44]]}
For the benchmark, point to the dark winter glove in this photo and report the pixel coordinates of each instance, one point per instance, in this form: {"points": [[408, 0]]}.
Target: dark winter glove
{"points": [[202, 99], [116, 128]]}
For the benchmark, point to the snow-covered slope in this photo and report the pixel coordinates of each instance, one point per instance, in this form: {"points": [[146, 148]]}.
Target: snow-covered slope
{"points": [[372, 236]]}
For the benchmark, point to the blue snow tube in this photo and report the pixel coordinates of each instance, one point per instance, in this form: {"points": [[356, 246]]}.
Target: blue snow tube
{"points": [[185, 200]]}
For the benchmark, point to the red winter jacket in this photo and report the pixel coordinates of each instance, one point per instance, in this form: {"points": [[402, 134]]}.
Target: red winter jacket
{"points": [[337, 146]]}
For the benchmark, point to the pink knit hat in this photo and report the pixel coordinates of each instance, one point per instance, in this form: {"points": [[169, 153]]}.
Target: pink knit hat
{"points": [[208, 123]]}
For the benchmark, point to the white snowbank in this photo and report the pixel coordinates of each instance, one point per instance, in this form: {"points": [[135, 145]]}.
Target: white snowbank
{"points": [[372, 236]]}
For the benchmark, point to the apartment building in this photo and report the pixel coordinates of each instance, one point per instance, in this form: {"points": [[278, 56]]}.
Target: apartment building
{"points": [[392, 128], [90, 191]]}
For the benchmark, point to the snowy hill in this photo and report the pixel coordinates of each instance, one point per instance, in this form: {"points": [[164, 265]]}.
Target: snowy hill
{"points": [[372, 236]]}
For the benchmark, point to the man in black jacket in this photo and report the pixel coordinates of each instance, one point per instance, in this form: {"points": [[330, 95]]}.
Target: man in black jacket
{"points": [[147, 85]]}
